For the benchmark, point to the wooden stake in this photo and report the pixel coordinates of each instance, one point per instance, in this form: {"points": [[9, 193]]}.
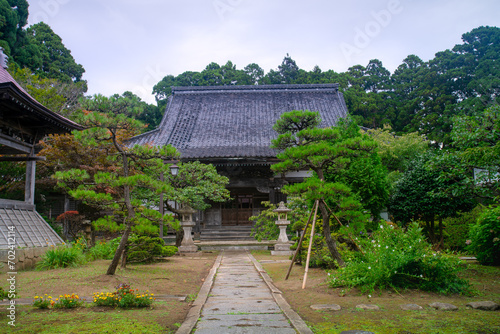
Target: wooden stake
{"points": [[310, 246], [299, 245]]}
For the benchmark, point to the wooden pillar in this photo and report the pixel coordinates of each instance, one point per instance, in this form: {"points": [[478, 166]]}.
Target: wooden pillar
{"points": [[161, 207], [29, 190]]}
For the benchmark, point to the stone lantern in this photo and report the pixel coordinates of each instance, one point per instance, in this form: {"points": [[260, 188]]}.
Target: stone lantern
{"points": [[282, 247], [187, 244]]}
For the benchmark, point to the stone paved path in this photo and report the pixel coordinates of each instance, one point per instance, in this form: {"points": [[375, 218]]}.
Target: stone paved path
{"points": [[240, 301]]}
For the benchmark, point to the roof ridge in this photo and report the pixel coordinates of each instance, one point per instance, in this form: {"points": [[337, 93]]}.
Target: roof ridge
{"points": [[253, 88]]}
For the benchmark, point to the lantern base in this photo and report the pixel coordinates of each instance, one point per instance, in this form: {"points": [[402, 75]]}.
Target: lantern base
{"points": [[282, 249], [188, 249]]}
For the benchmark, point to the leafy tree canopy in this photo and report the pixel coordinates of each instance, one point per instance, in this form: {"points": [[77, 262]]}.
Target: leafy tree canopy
{"points": [[57, 61], [128, 180], [60, 97], [304, 146]]}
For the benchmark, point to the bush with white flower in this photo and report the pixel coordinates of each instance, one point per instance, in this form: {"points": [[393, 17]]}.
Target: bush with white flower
{"points": [[393, 258]]}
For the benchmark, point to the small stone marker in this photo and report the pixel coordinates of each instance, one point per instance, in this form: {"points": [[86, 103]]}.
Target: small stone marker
{"points": [[444, 306], [485, 306], [411, 307], [368, 307], [326, 307]]}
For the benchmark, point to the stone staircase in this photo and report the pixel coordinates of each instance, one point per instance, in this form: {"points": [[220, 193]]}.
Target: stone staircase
{"points": [[226, 233]]}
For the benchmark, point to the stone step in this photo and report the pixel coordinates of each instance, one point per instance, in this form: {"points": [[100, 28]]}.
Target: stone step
{"points": [[226, 233], [226, 237]]}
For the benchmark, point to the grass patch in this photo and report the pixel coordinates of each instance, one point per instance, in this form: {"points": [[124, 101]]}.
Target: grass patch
{"points": [[87, 321], [179, 275], [390, 319]]}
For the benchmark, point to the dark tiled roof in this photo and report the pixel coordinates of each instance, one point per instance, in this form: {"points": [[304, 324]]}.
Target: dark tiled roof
{"points": [[29, 227], [237, 121], [40, 115]]}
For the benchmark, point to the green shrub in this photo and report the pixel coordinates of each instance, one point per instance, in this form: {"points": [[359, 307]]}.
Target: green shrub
{"points": [[144, 248], [103, 250], [61, 257], [395, 259], [456, 229], [3, 294], [320, 255], [124, 297], [485, 237], [265, 227], [170, 251]]}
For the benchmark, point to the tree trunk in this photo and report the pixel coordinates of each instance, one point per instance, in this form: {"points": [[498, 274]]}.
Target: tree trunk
{"points": [[130, 212], [179, 235], [124, 259], [441, 237], [432, 234], [330, 243], [119, 251]]}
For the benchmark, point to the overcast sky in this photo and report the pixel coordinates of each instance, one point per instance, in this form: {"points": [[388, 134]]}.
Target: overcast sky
{"points": [[132, 44]]}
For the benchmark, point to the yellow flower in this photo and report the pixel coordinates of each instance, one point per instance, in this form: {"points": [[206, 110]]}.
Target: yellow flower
{"points": [[36, 297]]}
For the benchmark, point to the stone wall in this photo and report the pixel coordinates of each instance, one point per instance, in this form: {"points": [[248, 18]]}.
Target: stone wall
{"points": [[26, 258]]}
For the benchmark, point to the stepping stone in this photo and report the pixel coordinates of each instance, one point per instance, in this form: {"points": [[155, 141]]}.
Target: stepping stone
{"points": [[444, 306], [411, 307], [485, 306], [326, 307], [368, 307]]}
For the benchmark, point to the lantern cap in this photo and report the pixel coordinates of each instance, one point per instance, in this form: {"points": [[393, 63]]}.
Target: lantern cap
{"points": [[282, 208], [186, 210]]}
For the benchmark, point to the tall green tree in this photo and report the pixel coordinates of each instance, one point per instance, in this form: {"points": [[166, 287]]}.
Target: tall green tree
{"points": [[420, 194], [397, 151], [60, 97], [149, 114], [304, 146], [255, 72], [365, 174], [106, 127], [472, 166], [13, 17], [57, 61]]}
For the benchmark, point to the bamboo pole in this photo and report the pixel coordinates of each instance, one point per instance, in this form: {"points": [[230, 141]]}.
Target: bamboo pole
{"points": [[310, 246], [300, 240]]}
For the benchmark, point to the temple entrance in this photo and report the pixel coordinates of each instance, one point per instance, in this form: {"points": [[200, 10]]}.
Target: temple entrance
{"points": [[238, 211], [241, 208]]}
